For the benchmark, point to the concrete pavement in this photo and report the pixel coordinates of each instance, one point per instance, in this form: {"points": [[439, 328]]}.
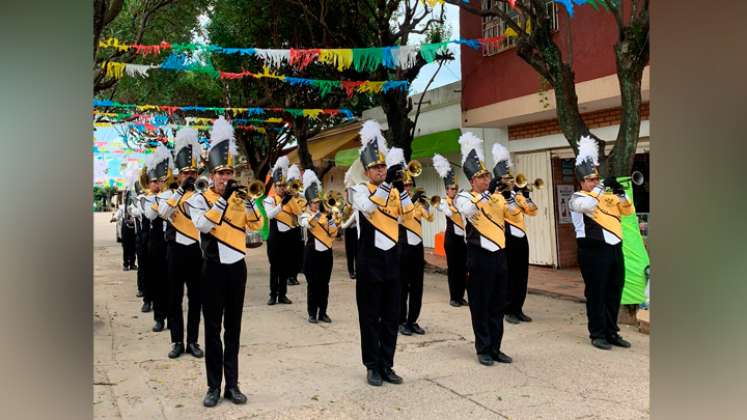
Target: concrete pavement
{"points": [[292, 369]]}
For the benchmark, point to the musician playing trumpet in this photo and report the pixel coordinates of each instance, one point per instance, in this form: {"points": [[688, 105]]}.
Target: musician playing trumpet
{"points": [[412, 256], [321, 224]]}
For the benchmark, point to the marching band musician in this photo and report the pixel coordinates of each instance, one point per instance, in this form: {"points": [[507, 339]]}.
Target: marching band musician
{"points": [[456, 249], [321, 226], [297, 250], [127, 223], [517, 245], [350, 227], [183, 250], [223, 214], [596, 219], [484, 211], [282, 210], [142, 230], [413, 256], [159, 169], [380, 202]]}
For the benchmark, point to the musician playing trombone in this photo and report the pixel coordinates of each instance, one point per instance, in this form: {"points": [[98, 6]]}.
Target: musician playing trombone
{"points": [[223, 213], [321, 225]]}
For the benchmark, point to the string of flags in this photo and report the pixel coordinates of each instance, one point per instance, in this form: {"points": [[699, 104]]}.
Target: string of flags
{"points": [[234, 111], [360, 59], [568, 4]]}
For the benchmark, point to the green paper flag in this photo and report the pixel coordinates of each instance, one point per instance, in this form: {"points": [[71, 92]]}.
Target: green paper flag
{"points": [[429, 51], [325, 86], [367, 59], [634, 253]]}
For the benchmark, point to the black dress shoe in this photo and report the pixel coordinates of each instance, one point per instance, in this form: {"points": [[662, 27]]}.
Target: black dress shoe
{"points": [[235, 395], [284, 300], [416, 329], [195, 350], [211, 398], [158, 327], [523, 317], [455, 303], [618, 341], [601, 343], [374, 377], [139, 293], [501, 357], [146, 307], [292, 281], [312, 319], [352, 276], [405, 330], [272, 301], [325, 318], [176, 350], [485, 359], [125, 268], [133, 266], [511, 319], [390, 376], [464, 302]]}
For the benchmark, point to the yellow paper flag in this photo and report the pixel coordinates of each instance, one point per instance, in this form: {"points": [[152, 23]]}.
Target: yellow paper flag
{"points": [[113, 69], [340, 57], [372, 87]]}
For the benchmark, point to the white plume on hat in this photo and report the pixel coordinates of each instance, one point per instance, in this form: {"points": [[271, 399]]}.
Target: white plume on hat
{"points": [[395, 156], [442, 165], [281, 163], [469, 141], [355, 174], [310, 178], [588, 148], [500, 153], [160, 154], [372, 130], [187, 136], [294, 172], [222, 130]]}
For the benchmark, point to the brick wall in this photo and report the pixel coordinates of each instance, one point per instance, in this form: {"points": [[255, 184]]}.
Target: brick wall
{"points": [[601, 118], [566, 237]]}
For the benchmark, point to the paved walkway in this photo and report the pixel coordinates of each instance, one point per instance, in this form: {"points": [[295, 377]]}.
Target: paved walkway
{"points": [[291, 369], [563, 284]]}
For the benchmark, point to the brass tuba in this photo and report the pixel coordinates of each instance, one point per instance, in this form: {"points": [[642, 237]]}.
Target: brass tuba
{"points": [[521, 182]]}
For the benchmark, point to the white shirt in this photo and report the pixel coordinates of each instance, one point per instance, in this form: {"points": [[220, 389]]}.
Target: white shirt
{"points": [[465, 206], [362, 203], [273, 210], [304, 221], [197, 207], [167, 213], [148, 208], [581, 204]]}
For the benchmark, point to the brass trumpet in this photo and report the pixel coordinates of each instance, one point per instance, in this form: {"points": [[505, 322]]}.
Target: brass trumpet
{"points": [[333, 200], [202, 184], [255, 189], [637, 178], [295, 186], [415, 168], [521, 181]]}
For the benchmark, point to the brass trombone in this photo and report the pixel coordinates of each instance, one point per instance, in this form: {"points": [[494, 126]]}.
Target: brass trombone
{"points": [[521, 181]]}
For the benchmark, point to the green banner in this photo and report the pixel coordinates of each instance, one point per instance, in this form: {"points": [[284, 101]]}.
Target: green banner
{"points": [[265, 232], [443, 142], [634, 252]]}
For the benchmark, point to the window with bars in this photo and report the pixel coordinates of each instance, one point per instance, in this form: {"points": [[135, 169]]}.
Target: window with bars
{"points": [[493, 26]]}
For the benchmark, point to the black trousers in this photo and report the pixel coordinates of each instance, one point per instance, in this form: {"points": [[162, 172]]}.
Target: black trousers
{"points": [[318, 270], [377, 294], [486, 288], [141, 248], [298, 252], [157, 279], [456, 261], [222, 290], [411, 278], [129, 245], [279, 247], [603, 269], [517, 258], [185, 267], [351, 248]]}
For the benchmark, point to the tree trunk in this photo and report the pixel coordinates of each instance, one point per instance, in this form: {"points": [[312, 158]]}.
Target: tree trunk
{"points": [[397, 107]]}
